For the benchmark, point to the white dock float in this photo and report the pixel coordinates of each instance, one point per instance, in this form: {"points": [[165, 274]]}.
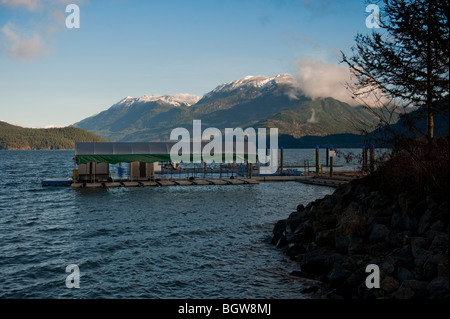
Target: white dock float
{"points": [[184, 183], [149, 184], [112, 184], [249, 181], [237, 182], [218, 182], [166, 183], [130, 184], [94, 185], [201, 182]]}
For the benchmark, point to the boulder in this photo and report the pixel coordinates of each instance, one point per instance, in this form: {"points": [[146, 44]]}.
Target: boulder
{"points": [[406, 201], [403, 293], [417, 286], [338, 275], [282, 242], [356, 245], [326, 238], [444, 208], [438, 288], [329, 220], [419, 208], [437, 225], [404, 274], [439, 243], [395, 220], [442, 269], [353, 207], [405, 221], [310, 289], [424, 222], [389, 284], [395, 240], [429, 269], [389, 264], [404, 255], [418, 243], [341, 244], [380, 201], [432, 202], [329, 202], [315, 262], [422, 256], [303, 233], [349, 288], [319, 226], [294, 249], [279, 231], [294, 220], [378, 233]]}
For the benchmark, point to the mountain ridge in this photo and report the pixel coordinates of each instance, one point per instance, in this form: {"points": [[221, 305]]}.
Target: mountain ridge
{"points": [[274, 101]]}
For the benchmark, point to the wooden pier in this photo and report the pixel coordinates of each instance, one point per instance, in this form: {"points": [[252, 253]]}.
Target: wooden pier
{"points": [[335, 181], [168, 182]]}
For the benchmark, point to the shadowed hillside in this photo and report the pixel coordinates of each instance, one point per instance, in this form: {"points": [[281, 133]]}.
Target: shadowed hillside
{"points": [[15, 137]]}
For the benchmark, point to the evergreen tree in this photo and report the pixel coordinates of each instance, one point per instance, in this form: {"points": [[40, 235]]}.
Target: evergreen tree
{"points": [[407, 59]]}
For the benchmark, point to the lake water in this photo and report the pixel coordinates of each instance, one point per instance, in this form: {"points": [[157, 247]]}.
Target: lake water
{"points": [[161, 242]]}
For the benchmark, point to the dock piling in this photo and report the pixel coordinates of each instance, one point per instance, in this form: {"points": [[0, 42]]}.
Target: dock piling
{"points": [[372, 158], [364, 159], [331, 162], [317, 160]]}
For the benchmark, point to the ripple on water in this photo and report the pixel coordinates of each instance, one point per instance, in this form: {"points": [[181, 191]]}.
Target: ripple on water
{"points": [[179, 242]]}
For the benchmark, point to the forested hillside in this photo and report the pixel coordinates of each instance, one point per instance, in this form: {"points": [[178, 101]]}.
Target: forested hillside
{"points": [[15, 137]]}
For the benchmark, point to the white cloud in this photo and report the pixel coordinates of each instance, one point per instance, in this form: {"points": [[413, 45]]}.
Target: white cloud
{"points": [[31, 5], [47, 18], [318, 79], [34, 5], [21, 47]]}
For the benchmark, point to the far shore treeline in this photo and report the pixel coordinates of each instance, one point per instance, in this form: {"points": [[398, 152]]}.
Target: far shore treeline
{"points": [[19, 138]]}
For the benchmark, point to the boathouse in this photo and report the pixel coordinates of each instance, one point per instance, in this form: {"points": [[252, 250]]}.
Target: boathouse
{"points": [[93, 158]]}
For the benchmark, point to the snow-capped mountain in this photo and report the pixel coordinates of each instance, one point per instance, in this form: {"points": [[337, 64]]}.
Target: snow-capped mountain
{"points": [[256, 84], [182, 99], [252, 101], [260, 82]]}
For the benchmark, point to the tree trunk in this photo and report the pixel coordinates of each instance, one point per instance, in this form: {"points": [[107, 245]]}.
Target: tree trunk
{"points": [[430, 87]]}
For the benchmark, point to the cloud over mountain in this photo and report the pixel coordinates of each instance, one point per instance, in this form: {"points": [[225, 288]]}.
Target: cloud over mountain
{"points": [[316, 79]]}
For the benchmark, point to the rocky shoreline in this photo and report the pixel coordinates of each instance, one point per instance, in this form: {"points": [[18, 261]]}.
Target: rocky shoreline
{"points": [[336, 237]]}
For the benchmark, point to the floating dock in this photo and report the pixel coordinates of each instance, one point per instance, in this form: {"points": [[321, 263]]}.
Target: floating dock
{"points": [[335, 181], [149, 165], [330, 181], [57, 182], [165, 183]]}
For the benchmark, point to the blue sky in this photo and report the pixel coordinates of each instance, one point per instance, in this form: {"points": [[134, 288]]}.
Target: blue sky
{"points": [[51, 75]]}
